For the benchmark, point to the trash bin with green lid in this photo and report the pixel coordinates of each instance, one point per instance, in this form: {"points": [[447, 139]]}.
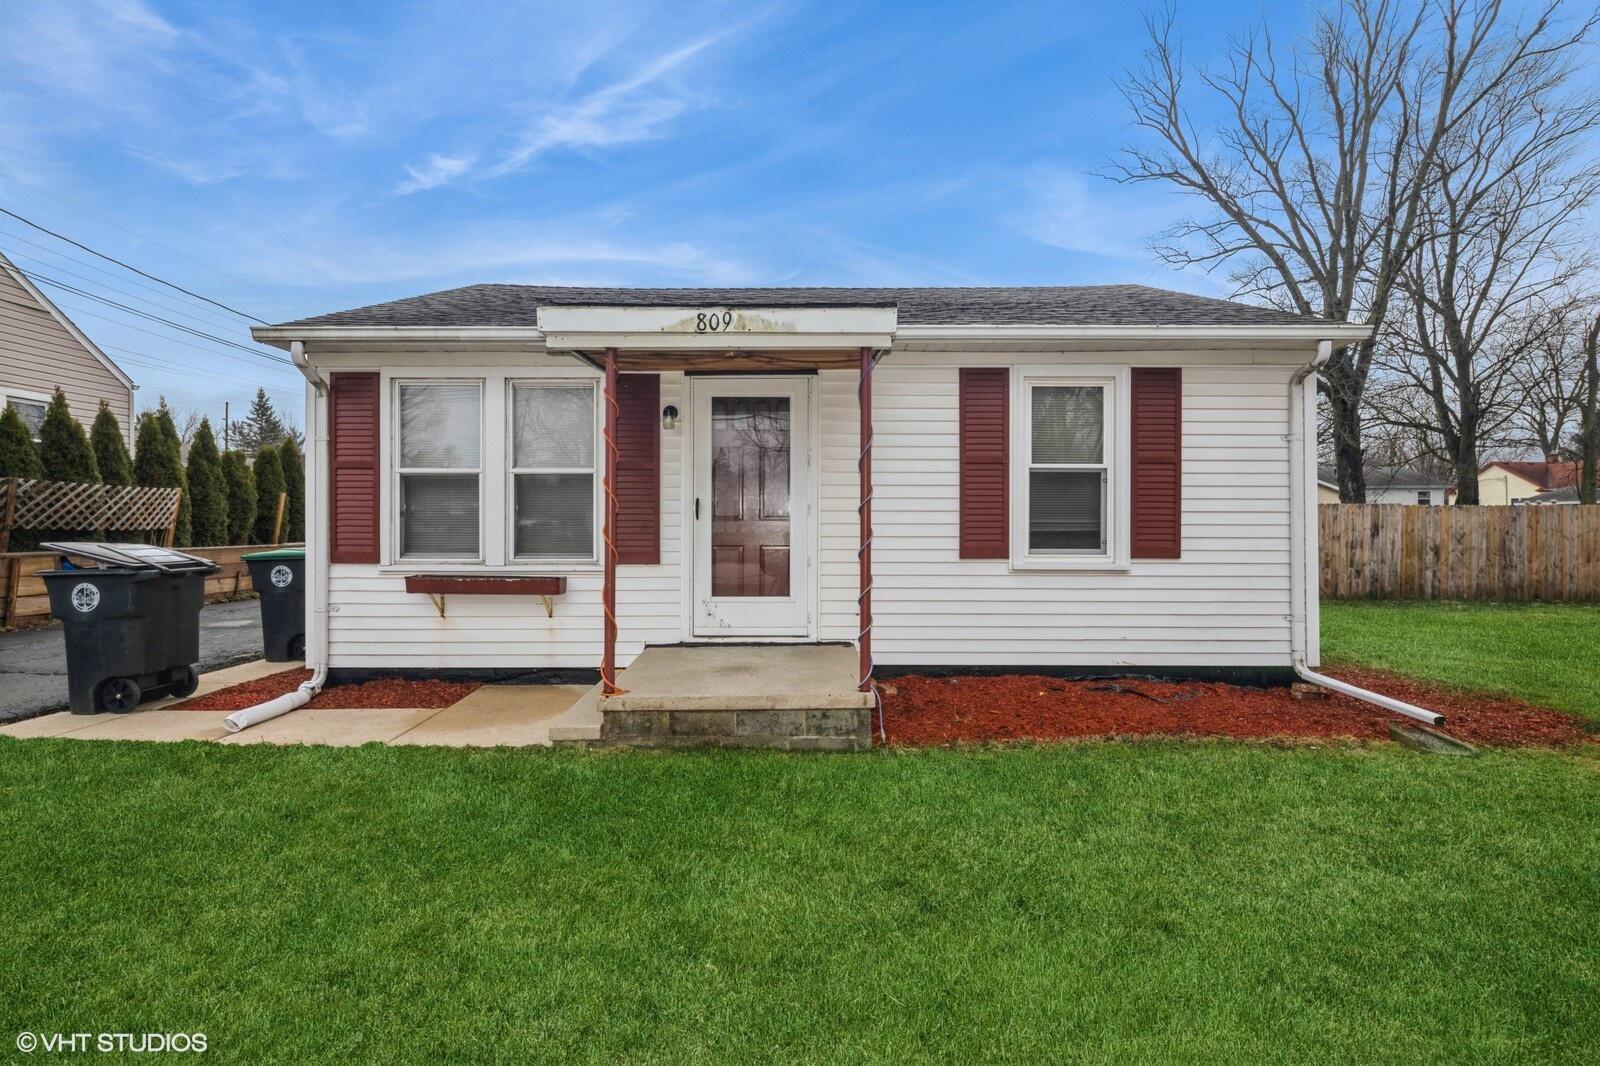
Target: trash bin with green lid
{"points": [[131, 620], [279, 577]]}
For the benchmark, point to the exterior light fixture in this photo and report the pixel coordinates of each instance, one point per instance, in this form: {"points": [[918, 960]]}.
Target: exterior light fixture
{"points": [[669, 417]]}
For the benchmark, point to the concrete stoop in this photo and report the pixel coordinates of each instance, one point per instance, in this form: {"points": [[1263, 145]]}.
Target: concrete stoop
{"points": [[798, 697]]}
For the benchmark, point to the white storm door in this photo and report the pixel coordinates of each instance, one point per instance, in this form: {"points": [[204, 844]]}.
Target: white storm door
{"points": [[751, 507]]}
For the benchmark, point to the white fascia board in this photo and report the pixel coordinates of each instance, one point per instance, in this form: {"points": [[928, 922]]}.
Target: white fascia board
{"points": [[1338, 332]]}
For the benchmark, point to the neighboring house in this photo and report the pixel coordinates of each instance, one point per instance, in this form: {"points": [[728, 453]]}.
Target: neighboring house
{"points": [[1504, 482], [1090, 478], [41, 348], [1566, 495], [1327, 488], [1391, 484]]}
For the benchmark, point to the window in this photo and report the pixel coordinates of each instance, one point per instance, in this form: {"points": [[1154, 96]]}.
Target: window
{"points": [[1425, 497], [440, 444], [31, 412], [553, 471], [1068, 473]]}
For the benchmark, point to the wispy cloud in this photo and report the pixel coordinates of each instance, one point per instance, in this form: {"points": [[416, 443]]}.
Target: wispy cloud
{"points": [[637, 107], [438, 170]]}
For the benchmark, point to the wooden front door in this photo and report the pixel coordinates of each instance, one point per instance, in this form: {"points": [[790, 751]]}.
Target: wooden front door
{"points": [[751, 507]]}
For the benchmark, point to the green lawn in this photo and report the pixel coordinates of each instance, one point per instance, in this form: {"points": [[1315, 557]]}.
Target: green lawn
{"points": [[1126, 902], [1547, 654]]}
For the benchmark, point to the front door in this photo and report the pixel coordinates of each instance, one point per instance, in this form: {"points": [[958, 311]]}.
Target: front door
{"points": [[751, 507]]}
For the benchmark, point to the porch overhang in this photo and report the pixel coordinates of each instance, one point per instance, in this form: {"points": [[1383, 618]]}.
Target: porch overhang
{"points": [[719, 337]]}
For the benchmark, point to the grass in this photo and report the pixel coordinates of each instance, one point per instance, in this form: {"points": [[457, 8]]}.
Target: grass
{"points": [[1121, 902], [1543, 653]]}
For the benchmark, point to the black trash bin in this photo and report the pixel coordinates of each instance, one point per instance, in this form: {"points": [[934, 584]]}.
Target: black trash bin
{"points": [[131, 621], [279, 578]]}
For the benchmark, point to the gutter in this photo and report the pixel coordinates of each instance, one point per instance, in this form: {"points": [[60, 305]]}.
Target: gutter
{"points": [[1302, 574], [319, 569]]}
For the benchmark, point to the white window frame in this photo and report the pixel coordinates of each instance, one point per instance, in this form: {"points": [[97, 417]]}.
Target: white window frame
{"points": [[397, 470], [1425, 497], [26, 396], [1114, 383], [595, 470]]}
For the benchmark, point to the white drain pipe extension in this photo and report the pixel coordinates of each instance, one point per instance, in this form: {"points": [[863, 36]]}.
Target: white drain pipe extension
{"points": [[1302, 527], [318, 571]]}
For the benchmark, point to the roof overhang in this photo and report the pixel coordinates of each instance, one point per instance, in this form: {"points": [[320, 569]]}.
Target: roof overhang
{"points": [[1337, 332], [679, 329]]}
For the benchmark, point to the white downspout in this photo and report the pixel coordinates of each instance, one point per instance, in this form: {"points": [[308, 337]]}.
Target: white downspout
{"points": [[316, 548], [1302, 527]]}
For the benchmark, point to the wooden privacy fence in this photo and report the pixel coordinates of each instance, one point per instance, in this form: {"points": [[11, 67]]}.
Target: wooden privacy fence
{"points": [[1411, 552], [27, 503], [24, 601]]}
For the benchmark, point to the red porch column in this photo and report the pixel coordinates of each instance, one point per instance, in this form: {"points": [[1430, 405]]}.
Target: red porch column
{"points": [[864, 553], [608, 661]]}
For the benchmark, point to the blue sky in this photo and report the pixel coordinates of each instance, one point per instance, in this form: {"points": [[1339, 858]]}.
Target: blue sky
{"points": [[291, 158]]}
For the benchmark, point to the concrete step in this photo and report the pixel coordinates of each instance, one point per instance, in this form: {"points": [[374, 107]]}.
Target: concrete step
{"points": [[580, 723]]}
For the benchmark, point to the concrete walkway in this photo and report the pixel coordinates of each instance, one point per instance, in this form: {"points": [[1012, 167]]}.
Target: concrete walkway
{"points": [[492, 716], [33, 662]]}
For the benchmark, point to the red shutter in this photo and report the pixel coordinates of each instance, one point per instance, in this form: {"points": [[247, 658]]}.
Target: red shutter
{"points": [[638, 531], [985, 463], [353, 463], [1157, 435]]}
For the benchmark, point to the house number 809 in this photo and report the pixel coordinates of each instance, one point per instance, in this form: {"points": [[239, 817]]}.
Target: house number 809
{"points": [[712, 321]]}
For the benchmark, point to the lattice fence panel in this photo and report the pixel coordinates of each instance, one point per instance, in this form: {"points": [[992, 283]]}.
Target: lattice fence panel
{"points": [[69, 505]]}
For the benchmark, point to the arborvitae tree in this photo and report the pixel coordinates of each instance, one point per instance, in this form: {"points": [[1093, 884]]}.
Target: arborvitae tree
{"points": [[156, 461], [18, 456], [64, 446], [169, 430], [208, 492], [241, 483], [261, 428], [110, 450], [269, 485], [294, 483]]}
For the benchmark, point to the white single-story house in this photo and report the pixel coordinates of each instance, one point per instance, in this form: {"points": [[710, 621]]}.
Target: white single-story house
{"points": [[510, 479]]}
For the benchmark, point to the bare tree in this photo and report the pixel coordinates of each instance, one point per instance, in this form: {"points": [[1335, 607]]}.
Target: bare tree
{"points": [[1501, 247], [1547, 384], [1313, 185], [1589, 436]]}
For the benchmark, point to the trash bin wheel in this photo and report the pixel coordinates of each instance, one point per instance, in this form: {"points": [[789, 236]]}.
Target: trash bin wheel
{"points": [[119, 695], [186, 683], [297, 647]]}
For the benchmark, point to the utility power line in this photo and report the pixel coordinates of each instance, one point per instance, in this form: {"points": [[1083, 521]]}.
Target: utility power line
{"points": [[165, 301], [136, 270], [153, 317], [78, 310], [151, 240]]}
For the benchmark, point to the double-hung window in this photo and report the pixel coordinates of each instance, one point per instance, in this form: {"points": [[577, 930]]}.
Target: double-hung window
{"points": [[440, 462], [553, 471], [1068, 487]]}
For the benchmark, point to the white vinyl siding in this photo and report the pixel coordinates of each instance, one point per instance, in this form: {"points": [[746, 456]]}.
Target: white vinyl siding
{"points": [[1224, 603]]}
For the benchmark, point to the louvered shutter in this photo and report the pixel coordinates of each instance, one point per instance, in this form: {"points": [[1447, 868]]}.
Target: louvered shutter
{"points": [[638, 533], [985, 447], [353, 467], [1157, 480]]}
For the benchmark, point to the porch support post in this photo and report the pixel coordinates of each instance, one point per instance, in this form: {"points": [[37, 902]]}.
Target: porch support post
{"points": [[864, 509], [608, 662]]}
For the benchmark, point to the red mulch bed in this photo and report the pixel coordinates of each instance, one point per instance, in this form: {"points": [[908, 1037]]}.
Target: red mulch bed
{"points": [[383, 692], [966, 709]]}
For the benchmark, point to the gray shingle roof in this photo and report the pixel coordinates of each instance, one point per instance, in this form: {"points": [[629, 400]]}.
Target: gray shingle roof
{"points": [[1060, 305]]}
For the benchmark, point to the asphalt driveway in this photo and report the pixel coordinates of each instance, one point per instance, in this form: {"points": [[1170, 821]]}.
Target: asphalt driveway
{"points": [[33, 662]]}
